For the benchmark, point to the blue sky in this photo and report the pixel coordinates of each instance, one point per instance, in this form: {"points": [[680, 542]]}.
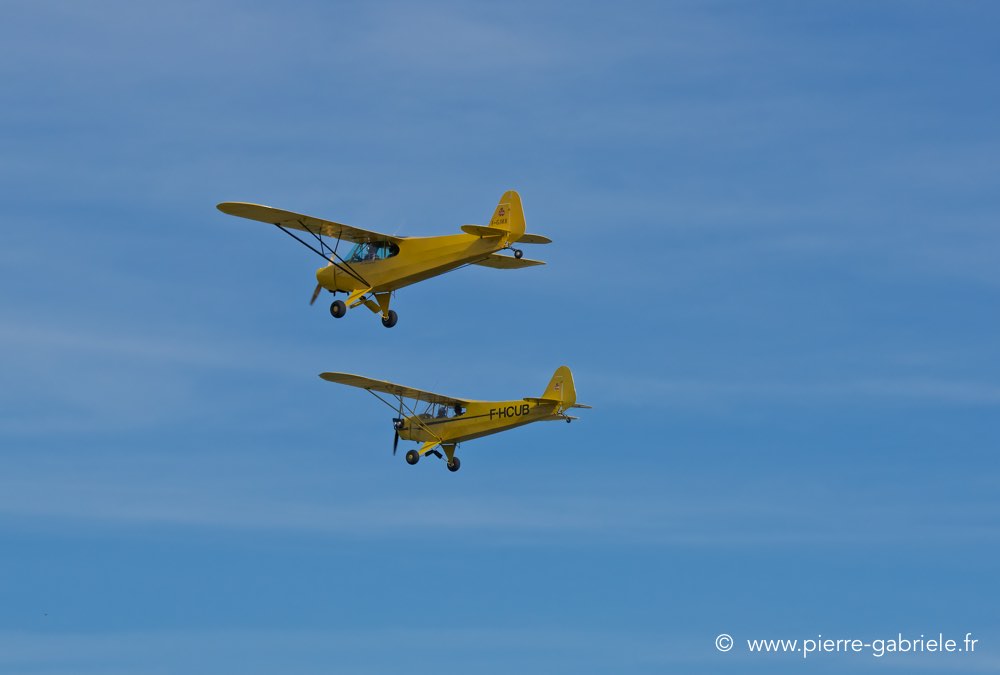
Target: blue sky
{"points": [[774, 276]]}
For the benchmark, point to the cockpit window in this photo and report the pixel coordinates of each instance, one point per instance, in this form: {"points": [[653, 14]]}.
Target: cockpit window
{"points": [[367, 251], [440, 411]]}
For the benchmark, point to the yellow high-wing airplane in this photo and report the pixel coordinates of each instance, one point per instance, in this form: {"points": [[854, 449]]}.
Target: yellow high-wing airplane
{"points": [[379, 264], [446, 421]]}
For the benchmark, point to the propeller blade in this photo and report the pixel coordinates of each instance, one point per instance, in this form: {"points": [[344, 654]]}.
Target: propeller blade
{"points": [[319, 287], [395, 443]]}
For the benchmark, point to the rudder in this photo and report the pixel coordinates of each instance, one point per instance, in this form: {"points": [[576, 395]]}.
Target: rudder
{"points": [[509, 215], [561, 387]]}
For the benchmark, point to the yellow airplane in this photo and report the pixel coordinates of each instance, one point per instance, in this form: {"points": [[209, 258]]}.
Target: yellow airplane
{"points": [[446, 421], [379, 264]]}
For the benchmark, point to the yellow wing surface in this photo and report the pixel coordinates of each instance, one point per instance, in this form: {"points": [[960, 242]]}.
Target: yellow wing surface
{"points": [[508, 219], [298, 221], [392, 388]]}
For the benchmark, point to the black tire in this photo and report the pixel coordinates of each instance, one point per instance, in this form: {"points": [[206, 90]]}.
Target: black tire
{"points": [[518, 253], [412, 457], [338, 309], [454, 465], [390, 321]]}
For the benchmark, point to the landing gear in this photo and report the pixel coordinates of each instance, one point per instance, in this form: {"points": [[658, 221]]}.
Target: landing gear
{"points": [[338, 309], [390, 320], [518, 253], [412, 457], [454, 464]]}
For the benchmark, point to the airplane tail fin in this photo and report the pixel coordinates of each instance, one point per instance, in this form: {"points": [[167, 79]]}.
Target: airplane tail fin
{"points": [[509, 215], [561, 388]]}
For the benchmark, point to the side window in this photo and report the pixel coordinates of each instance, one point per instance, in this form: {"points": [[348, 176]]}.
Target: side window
{"points": [[386, 250]]}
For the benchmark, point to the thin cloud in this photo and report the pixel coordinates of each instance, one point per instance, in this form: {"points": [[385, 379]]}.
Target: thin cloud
{"points": [[363, 650], [171, 492], [687, 392]]}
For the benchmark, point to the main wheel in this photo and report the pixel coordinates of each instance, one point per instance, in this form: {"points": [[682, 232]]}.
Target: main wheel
{"points": [[412, 456], [454, 464], [338, 309], [390, 321], [518, 253]]}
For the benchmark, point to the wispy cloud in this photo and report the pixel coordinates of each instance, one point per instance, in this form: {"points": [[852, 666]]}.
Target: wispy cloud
{"points": [[358, 649], [533, 647], [120, 490], [693, 392]]}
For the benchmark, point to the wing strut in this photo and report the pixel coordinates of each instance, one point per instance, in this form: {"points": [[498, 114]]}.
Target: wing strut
{"points": [[347, 269], [412, 413]]}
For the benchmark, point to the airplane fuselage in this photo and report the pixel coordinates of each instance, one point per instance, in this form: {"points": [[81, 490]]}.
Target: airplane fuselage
{"points": [[419, 258], [480, 418]]}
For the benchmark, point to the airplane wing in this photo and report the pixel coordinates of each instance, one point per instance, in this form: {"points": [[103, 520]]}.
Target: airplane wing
{"points": [[506, 262], [297, 221], [392, 388]]}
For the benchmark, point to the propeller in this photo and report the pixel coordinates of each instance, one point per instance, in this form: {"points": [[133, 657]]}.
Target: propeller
{"points": [[319, 288], [397, 424]]}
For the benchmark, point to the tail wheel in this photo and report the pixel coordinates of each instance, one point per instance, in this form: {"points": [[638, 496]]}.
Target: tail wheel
{"points": [[454, 464], [338, 309], [412, 457], [518, 253], [390, 320]]}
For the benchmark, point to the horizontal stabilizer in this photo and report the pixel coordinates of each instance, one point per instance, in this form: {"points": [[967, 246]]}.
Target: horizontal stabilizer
{"points": [[542, 401], [507, 262], [534, 239], [482, 231]]}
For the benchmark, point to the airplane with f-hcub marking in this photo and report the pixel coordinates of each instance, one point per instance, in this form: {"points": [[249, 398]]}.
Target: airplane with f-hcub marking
{"points": [[447, 421], [379, 264]]}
